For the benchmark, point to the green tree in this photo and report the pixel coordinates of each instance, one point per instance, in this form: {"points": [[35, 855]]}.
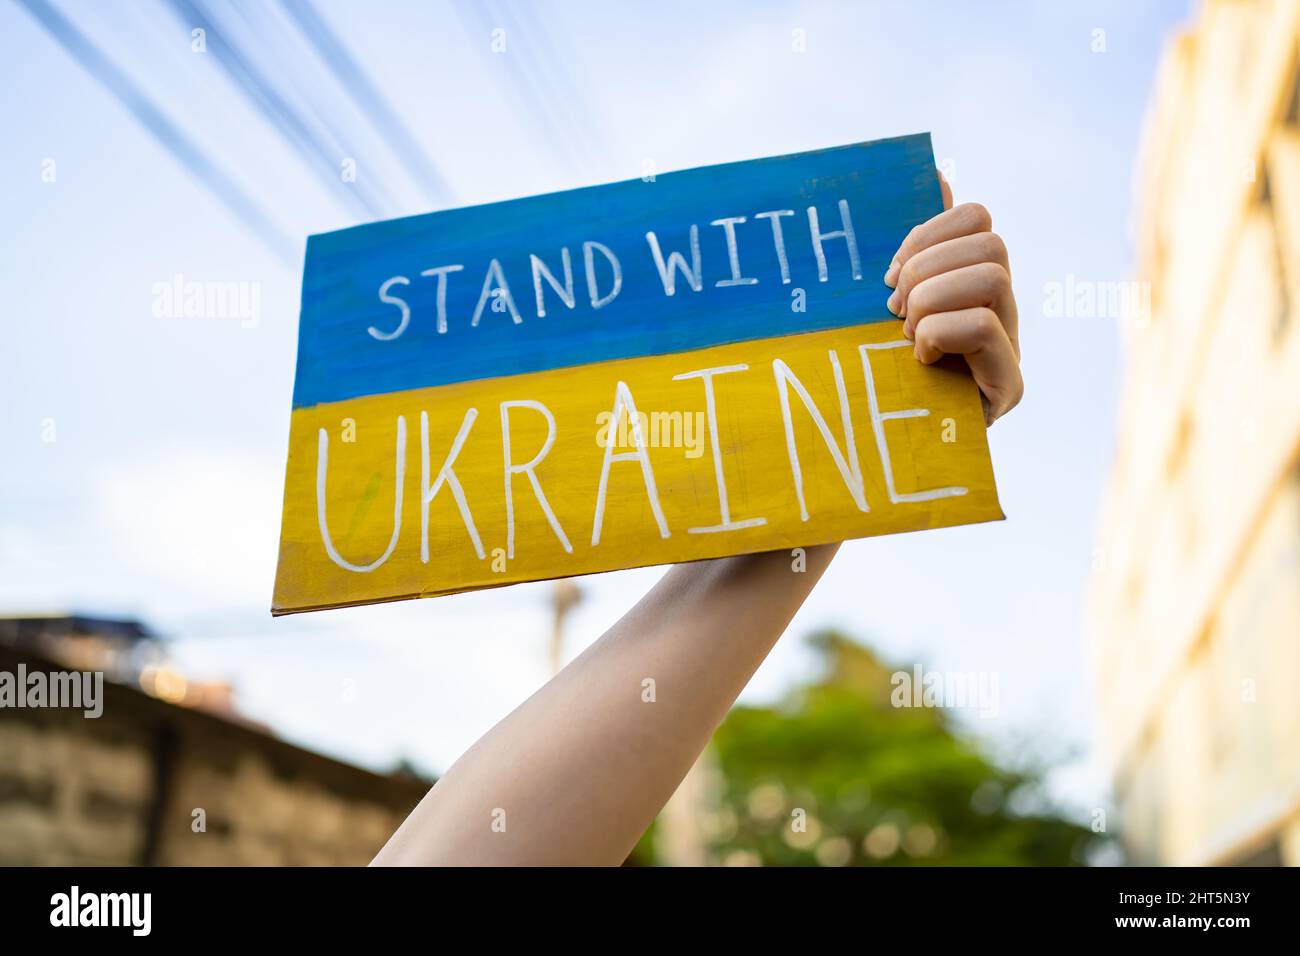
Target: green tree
{"points": [[837, 775]]}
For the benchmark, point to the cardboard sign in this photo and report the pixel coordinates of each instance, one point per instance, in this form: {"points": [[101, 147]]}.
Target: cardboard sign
{"points": [[696, 365]]}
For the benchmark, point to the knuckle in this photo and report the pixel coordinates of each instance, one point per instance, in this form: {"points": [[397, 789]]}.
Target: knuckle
{"points": [[996, 278], [985, 325], [924, 337], [993, 248], [977, 216], [910, 275], [922, 330], [919, 300]]}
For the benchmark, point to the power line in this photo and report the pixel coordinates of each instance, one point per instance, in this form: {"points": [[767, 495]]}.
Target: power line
{"points": [[320, 158], [368, 97], [529, 82], [164, 131]]}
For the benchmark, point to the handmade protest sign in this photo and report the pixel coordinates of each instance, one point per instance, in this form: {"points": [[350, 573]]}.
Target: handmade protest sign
{"points": [[647, 372]]}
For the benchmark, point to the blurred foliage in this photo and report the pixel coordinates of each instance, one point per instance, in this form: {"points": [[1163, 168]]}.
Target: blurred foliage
{"points": [[873, 784], [643, 854]]}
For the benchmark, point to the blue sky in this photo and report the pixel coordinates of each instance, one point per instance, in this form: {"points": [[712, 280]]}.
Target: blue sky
{"points": [[160, 495]]}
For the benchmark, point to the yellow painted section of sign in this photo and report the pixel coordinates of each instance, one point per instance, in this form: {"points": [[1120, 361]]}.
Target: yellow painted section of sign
{"points": [[533, 506]]}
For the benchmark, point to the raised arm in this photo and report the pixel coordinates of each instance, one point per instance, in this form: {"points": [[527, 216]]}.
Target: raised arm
{"points": [[580, 769]]}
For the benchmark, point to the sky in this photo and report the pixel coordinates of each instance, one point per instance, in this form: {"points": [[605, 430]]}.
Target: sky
{"points": [[143, 456]]}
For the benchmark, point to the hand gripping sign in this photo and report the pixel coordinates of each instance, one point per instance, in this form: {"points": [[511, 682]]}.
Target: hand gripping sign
{"points": [[647, 372]]}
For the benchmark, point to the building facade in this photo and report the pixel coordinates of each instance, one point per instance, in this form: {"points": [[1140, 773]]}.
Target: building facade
{"points": [[162, 778], [1195, 609]]}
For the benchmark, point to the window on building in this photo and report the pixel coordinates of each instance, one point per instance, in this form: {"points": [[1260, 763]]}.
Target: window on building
{"points": [[1281, 318], [1181, 446], [1291, 117]]}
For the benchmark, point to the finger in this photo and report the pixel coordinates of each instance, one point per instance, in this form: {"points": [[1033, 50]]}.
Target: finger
{"points": [[984, 284], [978, 335], [945, 191], [963, 220], [946, 257]]}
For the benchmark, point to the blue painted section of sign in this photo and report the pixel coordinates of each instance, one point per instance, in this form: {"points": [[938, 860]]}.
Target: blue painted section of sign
{"points": [[888, 186]]}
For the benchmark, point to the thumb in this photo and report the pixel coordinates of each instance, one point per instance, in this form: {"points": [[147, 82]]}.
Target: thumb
{"points": [[945, 189]]}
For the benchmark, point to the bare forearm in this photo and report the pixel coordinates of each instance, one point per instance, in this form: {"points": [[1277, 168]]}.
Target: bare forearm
{"points": [[578, 771]]}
